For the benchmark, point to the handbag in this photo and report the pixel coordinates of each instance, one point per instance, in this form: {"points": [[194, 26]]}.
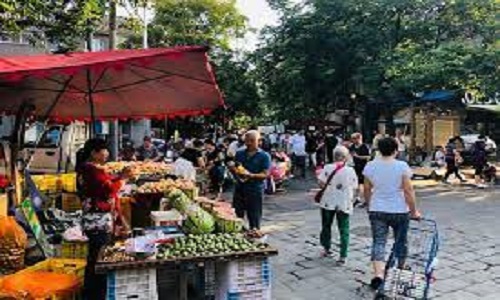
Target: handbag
{"points": [[319, 195]]}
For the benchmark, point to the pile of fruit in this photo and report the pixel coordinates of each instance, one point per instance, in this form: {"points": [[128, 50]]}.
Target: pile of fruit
{"points": [[225, 217], [198, 221], [142, 168], [166, 186], [206, 245], [116, 253]]}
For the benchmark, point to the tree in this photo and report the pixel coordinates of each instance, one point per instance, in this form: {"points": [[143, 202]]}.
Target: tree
{"points": [[325, 50], [64, 23], [193, 22]]}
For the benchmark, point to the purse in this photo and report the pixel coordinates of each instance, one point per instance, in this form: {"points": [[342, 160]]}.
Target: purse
{"points": [[319, 195]]}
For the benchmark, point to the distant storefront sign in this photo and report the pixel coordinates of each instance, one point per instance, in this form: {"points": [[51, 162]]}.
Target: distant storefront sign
{"points": [[470, 98]]}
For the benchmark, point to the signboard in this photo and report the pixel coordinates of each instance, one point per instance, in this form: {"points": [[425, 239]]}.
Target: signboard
{"points": [[470, 98], [36, 228]]}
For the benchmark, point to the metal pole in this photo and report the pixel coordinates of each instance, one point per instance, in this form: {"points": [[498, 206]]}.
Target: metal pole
{"points": [[114, 127], [91, 104]]}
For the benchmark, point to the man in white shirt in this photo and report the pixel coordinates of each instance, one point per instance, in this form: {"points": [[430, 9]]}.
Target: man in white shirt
{"points": [[273, 139], [233, 146], [299, 154], [184, 168]]}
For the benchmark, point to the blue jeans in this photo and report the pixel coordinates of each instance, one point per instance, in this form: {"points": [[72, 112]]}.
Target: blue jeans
{"points": [[380, 223]]}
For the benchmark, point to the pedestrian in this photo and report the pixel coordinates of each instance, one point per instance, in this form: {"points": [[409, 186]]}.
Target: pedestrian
{"points": [[320, 153], [331, 142], [249, 190], [337, 201], [480, 160], [214, 167], [360, 153], [401, 139], [452, 159], [299, 154], [391, 203], [311, 146], [378, 136]]}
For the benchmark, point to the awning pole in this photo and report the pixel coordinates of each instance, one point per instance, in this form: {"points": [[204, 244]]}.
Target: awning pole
{"points": [[93, 130]]}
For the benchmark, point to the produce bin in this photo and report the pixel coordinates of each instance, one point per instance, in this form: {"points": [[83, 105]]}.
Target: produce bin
{"points": [[74, 250], [244, 279], [137, 284], [70, 202], [60, 265]]}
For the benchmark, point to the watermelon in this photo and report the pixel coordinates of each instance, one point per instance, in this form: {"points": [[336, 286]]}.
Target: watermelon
{"points": [[179, 200], [198, 221], [229, 224]]}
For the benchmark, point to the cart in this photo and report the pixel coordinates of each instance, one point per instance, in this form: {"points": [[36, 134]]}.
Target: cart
{"points": [[412, 278]]}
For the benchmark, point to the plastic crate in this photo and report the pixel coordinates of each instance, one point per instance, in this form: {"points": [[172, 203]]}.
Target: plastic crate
{"points": [[70, 202], [253, 274], [166, 218], [74, 249], [264, 294], [68, 182], [168, 281], [137, 284], [60, 265]]}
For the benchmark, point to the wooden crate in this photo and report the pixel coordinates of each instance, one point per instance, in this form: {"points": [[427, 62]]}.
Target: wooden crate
{"points": [[70, 202]]}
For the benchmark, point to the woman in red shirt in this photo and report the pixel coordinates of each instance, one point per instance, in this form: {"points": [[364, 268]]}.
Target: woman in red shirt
{"points": [[101, 210]]}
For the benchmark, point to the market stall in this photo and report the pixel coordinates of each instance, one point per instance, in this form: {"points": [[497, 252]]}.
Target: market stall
{"points": [[197, 244], [106, 86]]}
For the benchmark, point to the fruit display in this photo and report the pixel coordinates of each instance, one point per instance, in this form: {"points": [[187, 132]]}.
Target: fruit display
{"points": [[198, 220], [142, 168], [116, 253], [165, 186], [206, 245]]}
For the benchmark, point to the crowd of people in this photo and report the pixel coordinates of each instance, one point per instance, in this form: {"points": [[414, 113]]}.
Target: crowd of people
{"points": [[350, 172]]}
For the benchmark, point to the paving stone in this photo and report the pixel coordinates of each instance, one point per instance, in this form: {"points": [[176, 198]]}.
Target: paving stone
{"points": [[460, 295], [450, 285], [470, 266], [446, 273], [492, 260], [477, 277], [484, 289]]}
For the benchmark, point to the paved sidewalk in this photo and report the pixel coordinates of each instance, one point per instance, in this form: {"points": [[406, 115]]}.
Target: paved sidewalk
{"points": [[469, 266]]}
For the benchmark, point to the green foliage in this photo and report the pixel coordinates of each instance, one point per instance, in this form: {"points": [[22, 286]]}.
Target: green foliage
{"points": [[325, 50], [193, 22], [61, 22]]}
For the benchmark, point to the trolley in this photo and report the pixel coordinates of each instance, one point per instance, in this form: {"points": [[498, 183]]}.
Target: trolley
{"points": [[412, 277]]}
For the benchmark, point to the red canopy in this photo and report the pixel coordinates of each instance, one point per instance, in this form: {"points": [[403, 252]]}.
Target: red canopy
{"points": [[111, 84]]}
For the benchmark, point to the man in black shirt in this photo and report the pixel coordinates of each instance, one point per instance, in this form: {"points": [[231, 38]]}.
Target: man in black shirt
{"points": [[361, 155], [194, 154]]}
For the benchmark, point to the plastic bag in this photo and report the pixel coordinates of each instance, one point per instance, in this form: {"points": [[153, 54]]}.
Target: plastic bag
{"points": [[13, 241], [39, 285]]}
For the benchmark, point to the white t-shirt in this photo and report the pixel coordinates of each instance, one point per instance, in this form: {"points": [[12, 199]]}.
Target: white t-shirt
{"points": [[273, 138], [401, 143], [184, 168], [298, 145], [232, 148], [386, 177], [340, 192]]}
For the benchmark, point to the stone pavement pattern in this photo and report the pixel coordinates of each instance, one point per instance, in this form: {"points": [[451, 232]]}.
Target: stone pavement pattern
{"points": [[469, 259]]}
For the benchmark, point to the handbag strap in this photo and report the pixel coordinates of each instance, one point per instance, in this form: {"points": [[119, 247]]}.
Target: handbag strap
{"points": [[338, 168]]}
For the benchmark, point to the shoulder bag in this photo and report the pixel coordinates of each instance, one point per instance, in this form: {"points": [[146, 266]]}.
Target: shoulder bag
{"points": [[319, 195]]}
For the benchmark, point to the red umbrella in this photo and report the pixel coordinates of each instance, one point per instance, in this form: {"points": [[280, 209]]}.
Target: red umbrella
{"points": [[119, 84]]}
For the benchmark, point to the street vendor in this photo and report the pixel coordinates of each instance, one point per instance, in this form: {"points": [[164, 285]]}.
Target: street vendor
{"points": [[101, 211], [148, 151], [251, 169]]}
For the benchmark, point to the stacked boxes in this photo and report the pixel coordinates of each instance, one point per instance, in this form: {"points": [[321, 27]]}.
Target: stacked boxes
{"points": [[137, 284], [244, 279]]}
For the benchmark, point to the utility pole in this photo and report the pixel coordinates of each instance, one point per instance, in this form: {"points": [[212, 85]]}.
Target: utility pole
{"points": [[113, 125]]}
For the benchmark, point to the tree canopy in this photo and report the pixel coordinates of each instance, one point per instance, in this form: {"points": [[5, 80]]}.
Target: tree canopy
{"points": [[326, 50]]}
